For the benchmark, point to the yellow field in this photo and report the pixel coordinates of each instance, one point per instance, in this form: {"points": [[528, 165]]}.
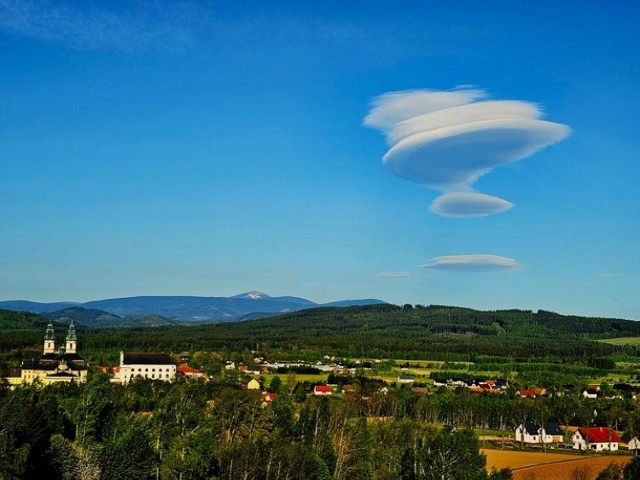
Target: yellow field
{"points": [[509, 458], [622, 341], [543, 466]]}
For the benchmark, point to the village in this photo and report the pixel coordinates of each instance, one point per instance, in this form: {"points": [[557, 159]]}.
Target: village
{"points": [[329, 377]]}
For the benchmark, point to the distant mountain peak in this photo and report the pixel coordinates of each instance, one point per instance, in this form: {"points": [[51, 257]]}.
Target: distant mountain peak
{"points": [[253, 295]]}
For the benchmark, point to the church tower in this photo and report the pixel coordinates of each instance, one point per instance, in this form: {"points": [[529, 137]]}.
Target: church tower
{"points": [[72, 339], [50, 340]]}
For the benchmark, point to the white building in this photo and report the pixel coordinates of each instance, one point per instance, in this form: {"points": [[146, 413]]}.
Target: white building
{"points": [[153, 366], [536, 434], [595, 438]]}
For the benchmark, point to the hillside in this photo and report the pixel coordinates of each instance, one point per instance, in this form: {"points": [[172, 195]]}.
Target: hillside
{"points": [[189, 308], [389, 331], [385, 331], [100, 319]]}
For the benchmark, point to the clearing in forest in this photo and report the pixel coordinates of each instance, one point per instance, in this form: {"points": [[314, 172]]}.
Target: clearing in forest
{"points": [[542, 466]]}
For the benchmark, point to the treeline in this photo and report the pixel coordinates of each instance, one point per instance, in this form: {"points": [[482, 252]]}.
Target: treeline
{"points": [[217, 430], [378, 331]]}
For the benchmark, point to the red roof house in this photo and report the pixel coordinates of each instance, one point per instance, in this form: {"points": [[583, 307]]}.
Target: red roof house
{"points": [[267, 397], [322, 390], [595, 438], [527, 393], [188, 371]]}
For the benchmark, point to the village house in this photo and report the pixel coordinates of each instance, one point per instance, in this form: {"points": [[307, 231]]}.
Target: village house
{"points": [[535, 434], [253, 385], [322, 390], [540, 391], [530, 393], [189, 372], [591, 392], [268, 398], [634, 444], [405, 379], [348, 389], [595, 438], [152, 366], [55, 365], [420, 391]]}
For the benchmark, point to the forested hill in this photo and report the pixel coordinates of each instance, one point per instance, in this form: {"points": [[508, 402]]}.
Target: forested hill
{"points": [[439, 319], [374, 330], [423, 332], [19, 321]]}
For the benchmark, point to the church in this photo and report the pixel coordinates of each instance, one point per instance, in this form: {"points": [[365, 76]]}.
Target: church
{"points": [[63, 364]]}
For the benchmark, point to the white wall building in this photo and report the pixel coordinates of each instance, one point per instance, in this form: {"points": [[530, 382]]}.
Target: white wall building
{"points": [[153, 366], [595, 438], [533, 433]]}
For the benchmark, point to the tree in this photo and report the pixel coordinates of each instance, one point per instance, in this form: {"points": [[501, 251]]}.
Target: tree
{"points": [[612, 472], [632, 469], [502, 474], [301, 394], [274, 386], [190, 456], [129, 455], [291, 381], [450, 455]]}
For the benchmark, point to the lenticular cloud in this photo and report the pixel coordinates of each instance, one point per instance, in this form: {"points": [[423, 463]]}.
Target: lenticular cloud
{"points": [[478, 263], [448, 139]]}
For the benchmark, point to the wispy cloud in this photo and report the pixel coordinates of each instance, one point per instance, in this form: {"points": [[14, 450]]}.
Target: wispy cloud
{"points": [[279, 275], [477, 263], [448, 139], [398, 276], [91, 25], [608, 275]]}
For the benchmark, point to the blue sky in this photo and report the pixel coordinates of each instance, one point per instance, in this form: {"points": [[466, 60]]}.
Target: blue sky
{"points": [[212, 148]]}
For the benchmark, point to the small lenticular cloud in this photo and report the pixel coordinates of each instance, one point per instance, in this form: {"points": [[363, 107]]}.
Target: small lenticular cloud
{"points": [[398, 276], [448, 139], [468, 204], [474, 264]]}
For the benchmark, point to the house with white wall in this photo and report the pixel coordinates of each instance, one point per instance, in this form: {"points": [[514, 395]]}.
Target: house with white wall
{"points": [[595, 438], [152, 366]]}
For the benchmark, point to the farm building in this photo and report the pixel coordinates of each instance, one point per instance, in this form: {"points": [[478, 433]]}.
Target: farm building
{"points": [[534, 433], [595, 438]]}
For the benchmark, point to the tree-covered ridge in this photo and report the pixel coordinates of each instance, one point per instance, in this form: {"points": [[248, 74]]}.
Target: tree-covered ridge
{"points": [[384, 331], [12, 320], [100, 319]]}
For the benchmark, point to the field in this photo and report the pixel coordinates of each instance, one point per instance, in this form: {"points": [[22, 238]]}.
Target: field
{"points": [[622, 341], [300, 377], [541, 466]]}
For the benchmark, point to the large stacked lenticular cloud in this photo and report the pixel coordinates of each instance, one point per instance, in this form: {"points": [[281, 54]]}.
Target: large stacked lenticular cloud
{"points": [[448, 139]]}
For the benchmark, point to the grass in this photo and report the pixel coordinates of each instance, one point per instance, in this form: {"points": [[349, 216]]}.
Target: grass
{"points": [[300, 377], [622, 341], [485, 432]]}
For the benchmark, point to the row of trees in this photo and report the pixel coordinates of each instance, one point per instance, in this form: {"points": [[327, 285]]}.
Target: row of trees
{"points": [[192, 430], [195, 430]]}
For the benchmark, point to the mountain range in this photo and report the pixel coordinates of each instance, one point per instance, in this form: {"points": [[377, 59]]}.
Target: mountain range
{"points": [[165, 309]]}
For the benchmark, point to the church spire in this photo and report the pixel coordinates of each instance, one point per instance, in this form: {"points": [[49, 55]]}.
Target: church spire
{"points": [[71, 339], [50, 339], [71, 335]]}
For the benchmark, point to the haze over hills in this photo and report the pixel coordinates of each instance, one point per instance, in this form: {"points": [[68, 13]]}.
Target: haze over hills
{"points": [[182, 308]]}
